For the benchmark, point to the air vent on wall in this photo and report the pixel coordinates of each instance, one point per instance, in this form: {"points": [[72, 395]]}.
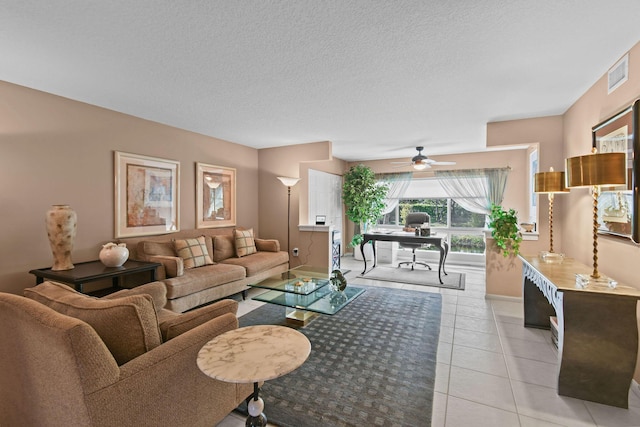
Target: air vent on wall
{"points": [[618, 74]]}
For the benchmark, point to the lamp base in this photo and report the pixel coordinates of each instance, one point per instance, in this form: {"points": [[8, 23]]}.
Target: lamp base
{"points": [[584, 280], [551, 257]]}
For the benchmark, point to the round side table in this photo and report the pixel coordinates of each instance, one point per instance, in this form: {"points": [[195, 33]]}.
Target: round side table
{"points": [[251, 355]]}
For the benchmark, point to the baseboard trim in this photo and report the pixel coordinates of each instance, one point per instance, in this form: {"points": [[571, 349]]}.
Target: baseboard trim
{"points": [[503, 298]]}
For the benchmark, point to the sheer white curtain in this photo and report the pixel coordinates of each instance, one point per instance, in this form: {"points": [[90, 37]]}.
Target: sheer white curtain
{"points": [[475, 189], [398, 184]]}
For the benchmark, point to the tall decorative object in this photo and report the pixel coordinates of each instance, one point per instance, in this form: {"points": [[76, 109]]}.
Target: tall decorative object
{"points": [[289, 182], [62, 223], [594, 170], [550, 183]]}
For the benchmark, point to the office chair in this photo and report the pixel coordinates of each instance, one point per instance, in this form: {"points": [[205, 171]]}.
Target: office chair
{"points": [[415, 220]]}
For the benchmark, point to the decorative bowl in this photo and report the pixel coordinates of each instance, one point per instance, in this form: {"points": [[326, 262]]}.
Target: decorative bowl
{"points": [[527, 226]]}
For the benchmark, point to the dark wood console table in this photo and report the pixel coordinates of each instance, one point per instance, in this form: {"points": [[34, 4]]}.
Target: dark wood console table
{"points": [[405, 237], [92, 271], [597, 329]]}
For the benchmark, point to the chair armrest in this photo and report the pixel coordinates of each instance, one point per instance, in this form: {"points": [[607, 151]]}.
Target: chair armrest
{"points": [[178, 325], [173, 266], [267, 245]]}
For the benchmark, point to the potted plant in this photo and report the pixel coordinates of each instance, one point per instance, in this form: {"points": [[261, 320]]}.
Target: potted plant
{"points": [[364, 199], [504, 230]]}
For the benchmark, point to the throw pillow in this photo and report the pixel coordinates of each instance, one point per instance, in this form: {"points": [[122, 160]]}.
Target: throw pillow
{"points": [[223, 247], [245, 244], [128, 326], [157, 290], [193, 252]]}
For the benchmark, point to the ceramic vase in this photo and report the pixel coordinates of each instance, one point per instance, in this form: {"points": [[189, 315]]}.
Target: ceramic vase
{"points": [[62, 223], [113, 255]]}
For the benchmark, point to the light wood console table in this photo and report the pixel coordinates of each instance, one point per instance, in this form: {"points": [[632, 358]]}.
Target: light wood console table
{"points": [[597, 329]]}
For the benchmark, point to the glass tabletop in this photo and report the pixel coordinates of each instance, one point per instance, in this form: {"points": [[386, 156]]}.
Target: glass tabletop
{"points": [[322, 301], [305, 288], [301, 280]]}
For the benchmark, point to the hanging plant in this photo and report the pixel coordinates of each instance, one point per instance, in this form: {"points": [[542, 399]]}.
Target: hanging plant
{"points": [[364, 198], [504, 230]]}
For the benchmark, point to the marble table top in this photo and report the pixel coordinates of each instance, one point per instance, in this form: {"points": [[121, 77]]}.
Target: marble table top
{"points": [[253, 354]]}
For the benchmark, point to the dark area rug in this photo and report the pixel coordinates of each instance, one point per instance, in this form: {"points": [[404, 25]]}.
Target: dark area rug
{"points": [[371, 364], [419, 276]]}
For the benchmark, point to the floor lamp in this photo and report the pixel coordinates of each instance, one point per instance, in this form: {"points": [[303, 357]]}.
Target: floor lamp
{"points": [[595, 170], [550, 183], [288, 182]]}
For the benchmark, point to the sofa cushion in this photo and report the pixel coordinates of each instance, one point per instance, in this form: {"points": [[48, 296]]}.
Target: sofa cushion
{"points": [[223, 247], [147, 248], [198, 279], [193, 252], [128, 325], [245, 245], [259, 262]]}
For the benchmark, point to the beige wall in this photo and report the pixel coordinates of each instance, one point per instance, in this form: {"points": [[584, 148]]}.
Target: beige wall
{"points": [[616, 257], [54, 150], [294, 161]]}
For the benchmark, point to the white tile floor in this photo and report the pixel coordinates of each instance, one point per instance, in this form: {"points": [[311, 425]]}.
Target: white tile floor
{"points": [[492, 371]]}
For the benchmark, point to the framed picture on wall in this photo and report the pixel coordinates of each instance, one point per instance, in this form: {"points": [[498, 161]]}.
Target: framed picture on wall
{"points": [[215, 196], [618, 206], [146, 195]]}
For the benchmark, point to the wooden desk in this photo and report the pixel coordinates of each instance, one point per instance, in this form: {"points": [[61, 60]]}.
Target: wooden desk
{"points": [[405, 237], [597, 329], [92, 271]]}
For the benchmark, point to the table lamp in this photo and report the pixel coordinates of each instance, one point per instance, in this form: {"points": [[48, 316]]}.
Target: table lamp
{"points": [[594, 170], [550, 183]]}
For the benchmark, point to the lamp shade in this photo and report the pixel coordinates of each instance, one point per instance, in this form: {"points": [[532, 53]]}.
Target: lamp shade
{"points": [[549, 182], [288, 181], [596, 169]]}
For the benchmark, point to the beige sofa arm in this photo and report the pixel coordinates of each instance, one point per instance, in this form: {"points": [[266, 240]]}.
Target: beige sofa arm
{"points": [[267, 245], [172, 266], [182, 323]]}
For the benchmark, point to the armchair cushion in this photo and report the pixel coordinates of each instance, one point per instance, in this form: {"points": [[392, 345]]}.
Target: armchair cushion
{"points": [[193, 252], [180, 323], [245, 244], [128, 325], [157, 290]]}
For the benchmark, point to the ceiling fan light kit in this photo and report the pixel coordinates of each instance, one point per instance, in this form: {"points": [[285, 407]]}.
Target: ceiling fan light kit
{"points": [[421, 162]]}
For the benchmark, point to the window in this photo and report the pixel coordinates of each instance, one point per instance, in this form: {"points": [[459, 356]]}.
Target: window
{"points": [[463, 229]]}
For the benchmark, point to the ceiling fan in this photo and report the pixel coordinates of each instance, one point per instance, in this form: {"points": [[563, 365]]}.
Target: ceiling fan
{"points": [[420, 161]]}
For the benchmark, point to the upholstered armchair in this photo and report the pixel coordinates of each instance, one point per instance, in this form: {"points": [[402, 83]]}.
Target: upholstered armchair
{"points": [[115, 367]]}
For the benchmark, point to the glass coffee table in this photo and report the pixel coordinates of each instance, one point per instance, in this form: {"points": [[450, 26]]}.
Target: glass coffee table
{"points": [[306, 293]]}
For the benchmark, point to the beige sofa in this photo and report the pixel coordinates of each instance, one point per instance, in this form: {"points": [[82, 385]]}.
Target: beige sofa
{"points": [[226, 275], [68, 359]]}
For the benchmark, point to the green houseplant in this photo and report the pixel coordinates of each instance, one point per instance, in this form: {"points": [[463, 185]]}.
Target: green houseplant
{"points": [[504, 230], [364, 199]]}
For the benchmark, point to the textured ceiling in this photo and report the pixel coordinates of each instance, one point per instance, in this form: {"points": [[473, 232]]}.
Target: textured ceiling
{"points": [[376, 78]]}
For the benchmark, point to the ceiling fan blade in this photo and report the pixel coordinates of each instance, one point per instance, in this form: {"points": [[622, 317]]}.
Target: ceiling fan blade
{"points": [[401, 163], [443, 163]]}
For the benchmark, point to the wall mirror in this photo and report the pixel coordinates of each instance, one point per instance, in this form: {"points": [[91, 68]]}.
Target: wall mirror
{"points": [[619, 207]]}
